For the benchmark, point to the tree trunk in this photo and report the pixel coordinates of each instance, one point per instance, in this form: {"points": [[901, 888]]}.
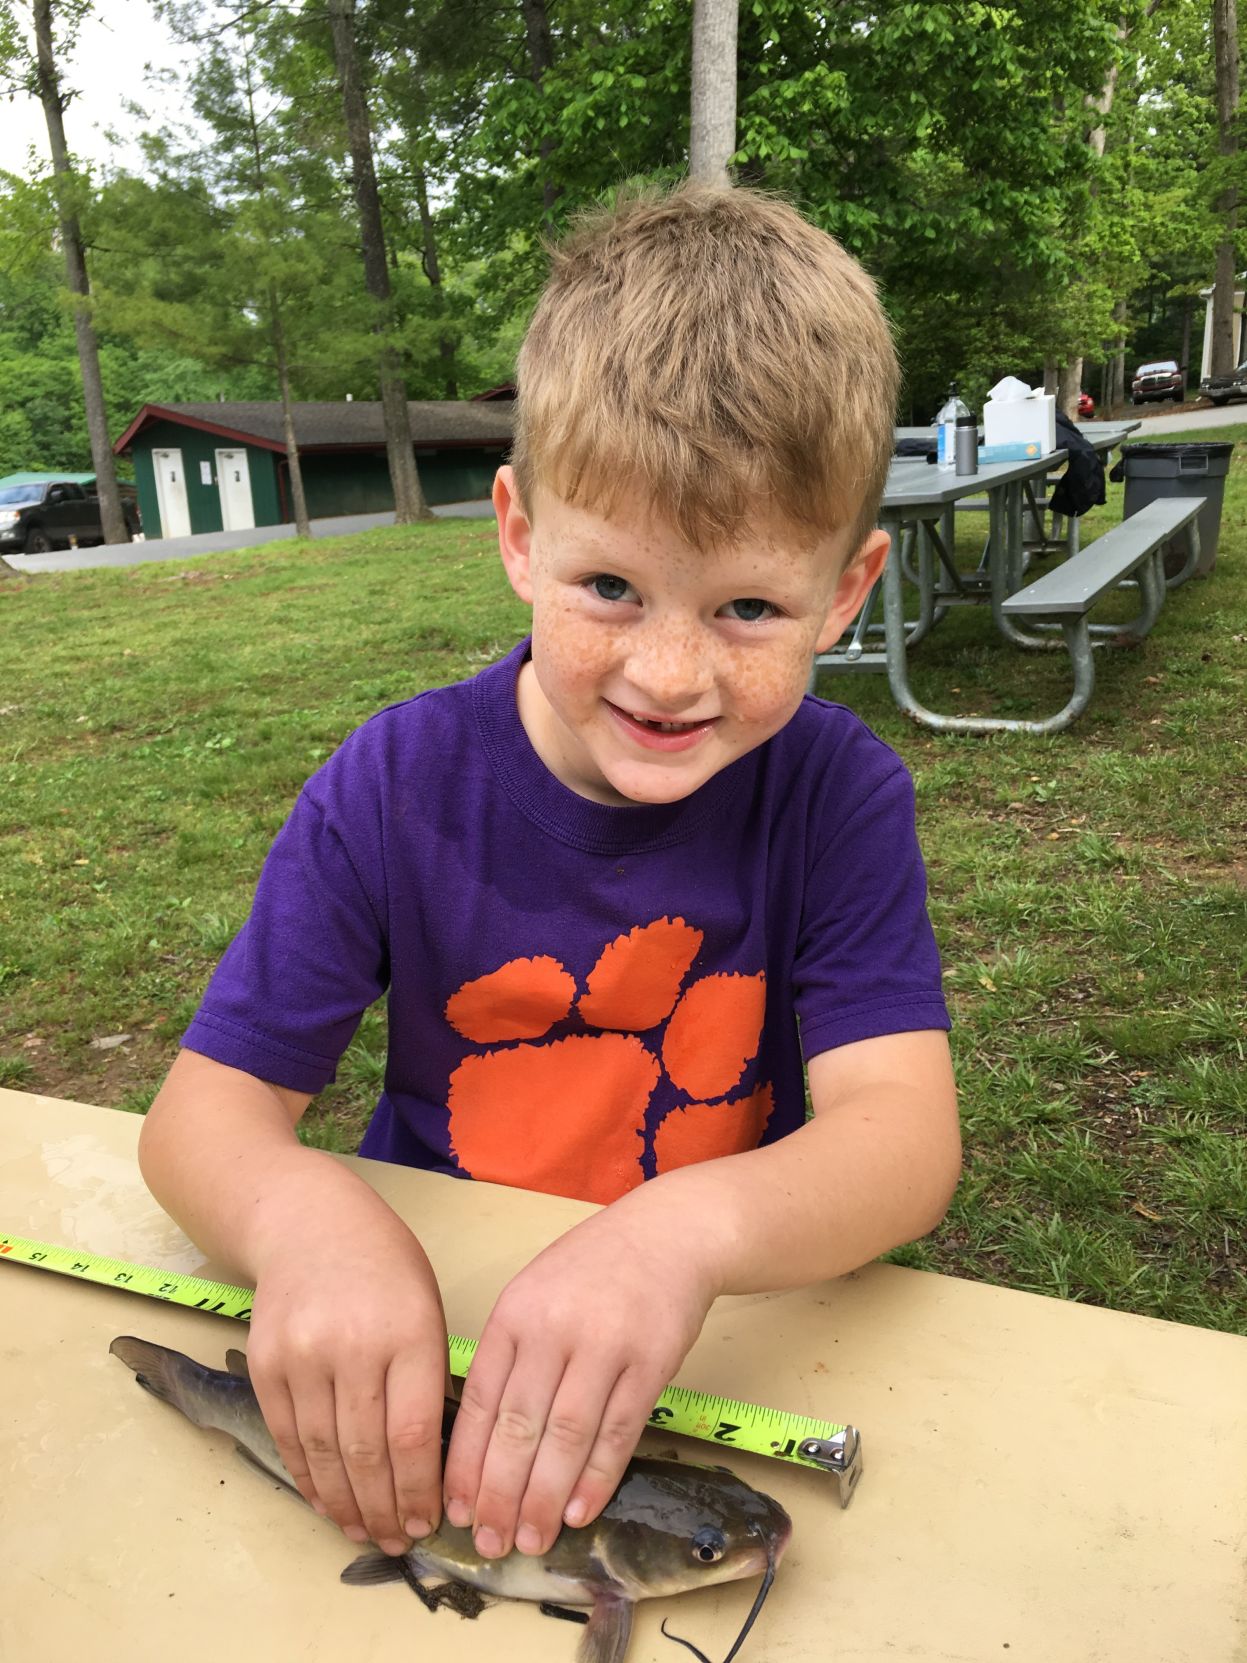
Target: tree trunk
{"points": [[712, 119], [1184, 359], [302, 525], [1069, 376], [1068, 387], [1050, 375], [1225, 44], [1117, 385], [409, 503], [540, 59], [112, 519], [433, 271]]}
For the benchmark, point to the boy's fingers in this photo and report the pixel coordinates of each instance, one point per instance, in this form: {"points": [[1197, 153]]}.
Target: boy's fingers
{"points": [[316, 1420], [478, 1409], [518, 1427], [277, 1408], [365, 1454], [574, 1426], [623, 1420], [414, 1394]]}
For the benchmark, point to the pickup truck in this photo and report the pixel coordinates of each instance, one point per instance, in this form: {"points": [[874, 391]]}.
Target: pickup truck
{"points": [[1220, 389], [1159, 380], [50, 514]]}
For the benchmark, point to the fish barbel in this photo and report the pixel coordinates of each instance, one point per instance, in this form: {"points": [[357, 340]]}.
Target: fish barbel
{"points": [[669, 1527]]}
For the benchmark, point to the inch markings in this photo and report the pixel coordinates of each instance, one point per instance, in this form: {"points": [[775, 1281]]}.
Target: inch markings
{"points": [[721, 1421]]}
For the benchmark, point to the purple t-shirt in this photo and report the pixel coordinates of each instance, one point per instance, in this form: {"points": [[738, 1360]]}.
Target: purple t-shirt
{"points": [[580, 996]]}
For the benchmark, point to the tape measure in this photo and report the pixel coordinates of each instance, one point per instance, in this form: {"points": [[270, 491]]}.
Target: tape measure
{"points": [[725, 1422]]}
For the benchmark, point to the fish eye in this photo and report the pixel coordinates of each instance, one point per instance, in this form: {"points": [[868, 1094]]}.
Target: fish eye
{"points": [[709, 1545]]}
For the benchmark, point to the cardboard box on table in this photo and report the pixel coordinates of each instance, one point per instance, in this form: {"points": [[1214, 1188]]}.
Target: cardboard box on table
{"points": [[1012, 419]]}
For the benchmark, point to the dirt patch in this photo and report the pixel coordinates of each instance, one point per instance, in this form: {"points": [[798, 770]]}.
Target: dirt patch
{"points": [[110, 1078]]}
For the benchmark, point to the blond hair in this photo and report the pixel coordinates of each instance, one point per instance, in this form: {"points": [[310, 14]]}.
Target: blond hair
{"points": [[717, 351]]}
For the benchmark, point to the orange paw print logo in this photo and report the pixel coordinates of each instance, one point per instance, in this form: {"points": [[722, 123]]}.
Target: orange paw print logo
{"points": [[586, 1091]]}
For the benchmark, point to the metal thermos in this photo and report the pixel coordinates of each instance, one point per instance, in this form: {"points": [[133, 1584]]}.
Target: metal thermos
{"points": [[967, 444]]}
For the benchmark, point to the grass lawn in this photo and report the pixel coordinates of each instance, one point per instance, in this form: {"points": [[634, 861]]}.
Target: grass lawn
{"points": [[1089, 890]]}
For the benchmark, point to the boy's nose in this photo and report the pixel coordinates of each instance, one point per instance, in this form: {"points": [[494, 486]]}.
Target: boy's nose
{"points": [[671, 667]]}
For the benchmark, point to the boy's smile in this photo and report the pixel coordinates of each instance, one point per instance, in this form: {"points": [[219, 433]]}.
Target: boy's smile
{"points": [[654, 665]]}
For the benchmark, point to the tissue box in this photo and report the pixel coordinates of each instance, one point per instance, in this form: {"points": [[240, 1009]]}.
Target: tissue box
{"points": [[1021, 421]]}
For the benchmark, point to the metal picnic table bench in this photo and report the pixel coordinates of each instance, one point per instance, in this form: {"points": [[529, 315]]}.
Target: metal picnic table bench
{"points": [[1065, 596], [1059, 601]]}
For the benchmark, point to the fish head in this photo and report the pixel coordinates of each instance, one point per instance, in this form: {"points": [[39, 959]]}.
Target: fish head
{"points": [[670, 1528]]}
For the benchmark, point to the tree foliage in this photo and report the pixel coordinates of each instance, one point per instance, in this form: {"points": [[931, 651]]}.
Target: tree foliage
{"points": [[951, 146]]}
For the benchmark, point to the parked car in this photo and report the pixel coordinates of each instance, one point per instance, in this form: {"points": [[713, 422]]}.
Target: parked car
{"points": [[1086, 406], [1221, 388], [48, 514], [1160, 380]]}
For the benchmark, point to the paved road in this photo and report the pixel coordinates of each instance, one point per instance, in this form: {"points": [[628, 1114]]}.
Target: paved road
{"points": [[1188, 421], [209, 542]]}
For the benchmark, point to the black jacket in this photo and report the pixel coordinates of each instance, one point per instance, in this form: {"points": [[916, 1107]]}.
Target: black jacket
{"points": [[1081, 486]]}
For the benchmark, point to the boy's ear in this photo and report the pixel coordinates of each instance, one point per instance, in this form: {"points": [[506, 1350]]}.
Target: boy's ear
{"points": [[856, 582], [514, 533]]}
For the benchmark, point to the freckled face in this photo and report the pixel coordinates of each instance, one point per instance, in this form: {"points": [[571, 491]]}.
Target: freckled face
{"points": [[655, 665]]}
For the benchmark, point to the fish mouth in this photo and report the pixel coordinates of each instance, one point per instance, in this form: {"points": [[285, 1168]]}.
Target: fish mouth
{"points": [[772, 1559]]}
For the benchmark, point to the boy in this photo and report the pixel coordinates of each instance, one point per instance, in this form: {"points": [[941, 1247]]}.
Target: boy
{"points": [[602, 883]]}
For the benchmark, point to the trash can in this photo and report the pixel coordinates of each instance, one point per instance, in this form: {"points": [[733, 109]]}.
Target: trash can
{"points": [[1194, 470]]}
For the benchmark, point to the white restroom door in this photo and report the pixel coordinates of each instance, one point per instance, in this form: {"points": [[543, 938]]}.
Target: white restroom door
{"points": [[233, 477], [175, 514]]}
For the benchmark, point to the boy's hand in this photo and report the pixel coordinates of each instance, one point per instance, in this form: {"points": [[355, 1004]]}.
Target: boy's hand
{"points": [[348, 1359], [572, 1360]]}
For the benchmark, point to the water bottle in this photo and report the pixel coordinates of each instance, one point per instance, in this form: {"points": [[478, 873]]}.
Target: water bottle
{"points": [[946, 428]]}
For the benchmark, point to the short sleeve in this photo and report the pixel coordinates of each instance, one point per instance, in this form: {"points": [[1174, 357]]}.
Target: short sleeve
{"points": [[867, 963], [288, 994]]}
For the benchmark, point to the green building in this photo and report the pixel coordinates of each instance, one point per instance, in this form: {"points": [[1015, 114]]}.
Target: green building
{"points": [[223, 467]]}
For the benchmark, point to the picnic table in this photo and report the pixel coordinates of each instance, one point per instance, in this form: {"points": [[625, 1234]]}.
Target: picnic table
{"points": [[1103, 437], [1042, 1479], [918, 509]]}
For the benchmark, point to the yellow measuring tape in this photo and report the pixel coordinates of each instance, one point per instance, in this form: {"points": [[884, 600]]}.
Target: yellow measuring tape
{"points": [[723, 1421]]}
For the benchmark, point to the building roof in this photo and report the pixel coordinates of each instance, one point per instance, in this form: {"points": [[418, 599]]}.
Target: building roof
{"points": [[46, 478], [335, 426]]}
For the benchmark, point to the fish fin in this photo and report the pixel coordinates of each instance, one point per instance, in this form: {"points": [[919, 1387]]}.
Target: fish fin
{"points": [[162, 1372], [549, 1609], [244, 1454], [371, 1569], [605, 1639], [236, 1363]]}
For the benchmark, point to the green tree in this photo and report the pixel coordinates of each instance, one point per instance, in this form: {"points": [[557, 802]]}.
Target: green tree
{"points": [[54, 26]]}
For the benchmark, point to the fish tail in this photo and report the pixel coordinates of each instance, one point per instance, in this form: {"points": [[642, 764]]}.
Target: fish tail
{"points": [[166, 1374]]}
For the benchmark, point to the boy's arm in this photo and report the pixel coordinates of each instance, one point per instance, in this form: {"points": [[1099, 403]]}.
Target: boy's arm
{"points": [[581, 1343], [348, 1342], [875, 1167]]}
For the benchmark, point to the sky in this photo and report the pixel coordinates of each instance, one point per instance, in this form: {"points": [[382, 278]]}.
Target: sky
{"points": [[106, 68]]}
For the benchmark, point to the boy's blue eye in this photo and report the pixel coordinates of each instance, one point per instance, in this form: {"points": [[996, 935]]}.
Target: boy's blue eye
{"points": [[751, 611], [609, 588]]}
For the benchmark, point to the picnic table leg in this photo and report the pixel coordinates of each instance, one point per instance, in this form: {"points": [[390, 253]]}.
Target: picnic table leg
{"points": [[914, 545], [1152, 593], [1008, 567], [1077, 642], [1192, 557]]}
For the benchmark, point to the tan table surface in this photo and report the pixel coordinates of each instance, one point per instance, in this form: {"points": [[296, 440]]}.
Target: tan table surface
{"points": [[1044, 1482]]}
